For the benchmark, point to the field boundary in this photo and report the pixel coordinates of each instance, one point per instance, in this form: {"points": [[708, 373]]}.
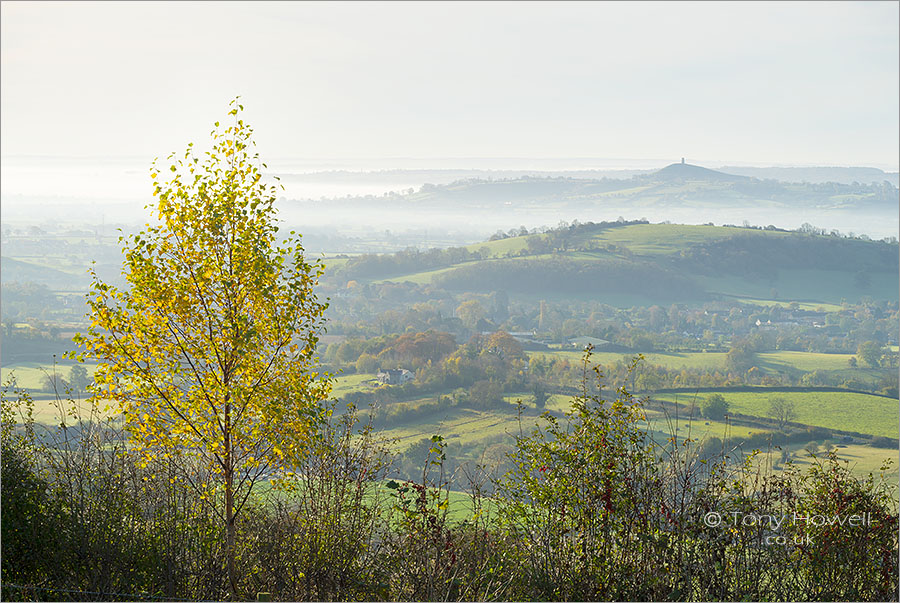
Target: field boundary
{"points": [[763, 389]]}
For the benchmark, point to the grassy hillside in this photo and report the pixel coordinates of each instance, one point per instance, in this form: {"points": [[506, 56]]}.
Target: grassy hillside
{"points": [[658, 263], [875, 415], [665, 239], [30, 375]]}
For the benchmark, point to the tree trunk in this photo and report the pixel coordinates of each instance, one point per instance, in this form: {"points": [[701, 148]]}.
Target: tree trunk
{"points": [[229, 507]]}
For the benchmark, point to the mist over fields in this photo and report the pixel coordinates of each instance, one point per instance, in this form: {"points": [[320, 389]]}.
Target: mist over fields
{"points": [[339, 205]]}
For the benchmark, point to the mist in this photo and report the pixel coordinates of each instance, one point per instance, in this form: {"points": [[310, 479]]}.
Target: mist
{"points": [[366, 204]]}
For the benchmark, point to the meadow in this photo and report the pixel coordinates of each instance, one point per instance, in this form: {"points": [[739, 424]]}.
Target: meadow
{"points": [[861, 413], [30, 375], [861, 460], [357, 382], [781, 361], [813, 287], [699, 360], [665, 239]]}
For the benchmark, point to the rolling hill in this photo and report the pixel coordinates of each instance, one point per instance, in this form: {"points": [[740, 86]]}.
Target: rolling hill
{"points": [[659, 262]]}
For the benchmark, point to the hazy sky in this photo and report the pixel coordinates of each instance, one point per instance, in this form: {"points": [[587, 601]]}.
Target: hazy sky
{"points": [[766, 83]]}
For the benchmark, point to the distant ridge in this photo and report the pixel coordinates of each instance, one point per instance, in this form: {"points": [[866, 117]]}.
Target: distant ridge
{"points": [[687, 171], [816, 174]]}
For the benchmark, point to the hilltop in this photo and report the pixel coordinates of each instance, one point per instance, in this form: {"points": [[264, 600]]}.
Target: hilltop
{"points": [[684, 172]]}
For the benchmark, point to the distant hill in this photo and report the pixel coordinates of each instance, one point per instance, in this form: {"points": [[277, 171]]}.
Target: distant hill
{"points": [[26, 272], [685, 171], [816, 175], [681, 186], [653, 263]]}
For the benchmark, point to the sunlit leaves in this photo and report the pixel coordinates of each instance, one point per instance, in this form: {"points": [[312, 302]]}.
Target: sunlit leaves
{"points": [[209, 351]]}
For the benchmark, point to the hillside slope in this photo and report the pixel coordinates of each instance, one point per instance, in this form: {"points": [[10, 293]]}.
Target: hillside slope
{"points": [[658, 261]]}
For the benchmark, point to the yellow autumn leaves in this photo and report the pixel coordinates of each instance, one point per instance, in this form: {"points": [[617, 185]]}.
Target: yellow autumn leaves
{"points": [[209, 350]]}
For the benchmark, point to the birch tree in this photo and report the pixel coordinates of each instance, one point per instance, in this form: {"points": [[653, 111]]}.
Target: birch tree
{"points": [[209, 352]]}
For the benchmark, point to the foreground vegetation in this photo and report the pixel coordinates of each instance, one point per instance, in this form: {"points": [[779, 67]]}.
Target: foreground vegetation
{"points": [[586, 507]]}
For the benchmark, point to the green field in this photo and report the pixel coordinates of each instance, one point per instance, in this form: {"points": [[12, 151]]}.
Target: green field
{"points": [[457, 425], [862, 413], [30, 375], [701, 360], [664, 239], [421, 278], [815, 287], [809, 306], [806, 361], [48, 411], [861, 460], [696, 428], [501, 247], [344, 384], [769, 362], [333, 264]]}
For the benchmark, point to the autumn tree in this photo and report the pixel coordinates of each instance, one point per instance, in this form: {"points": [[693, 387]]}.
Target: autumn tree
{"points": [[504, 345], [79, 379], [540, 394], [714, 407], [870, 352], [782, 411], [471, 313], [740, 356], [209, 351]]}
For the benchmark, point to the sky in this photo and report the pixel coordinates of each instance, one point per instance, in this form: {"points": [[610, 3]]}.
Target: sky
{"points": [[740, 83]]}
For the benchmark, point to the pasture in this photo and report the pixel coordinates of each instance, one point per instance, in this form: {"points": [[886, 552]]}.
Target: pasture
{"points": [[675, 360], [805, 361], [30, 375], [344, 384], [665, 239], [862, 413], [814, 287], [769, 362], [861, 460], [457, 425]]}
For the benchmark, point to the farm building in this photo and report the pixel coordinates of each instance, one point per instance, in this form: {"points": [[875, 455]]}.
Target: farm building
{"points": [[394, 376]]}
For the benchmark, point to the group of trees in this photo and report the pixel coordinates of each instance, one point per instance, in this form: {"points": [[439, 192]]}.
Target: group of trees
{"points": [[24, 300], [410, 350], [875, 355], [77, 381], [378, 309], [758, 256]]}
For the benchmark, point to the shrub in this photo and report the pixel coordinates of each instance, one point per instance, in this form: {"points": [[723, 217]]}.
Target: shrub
{"points": [[714, 407]]}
